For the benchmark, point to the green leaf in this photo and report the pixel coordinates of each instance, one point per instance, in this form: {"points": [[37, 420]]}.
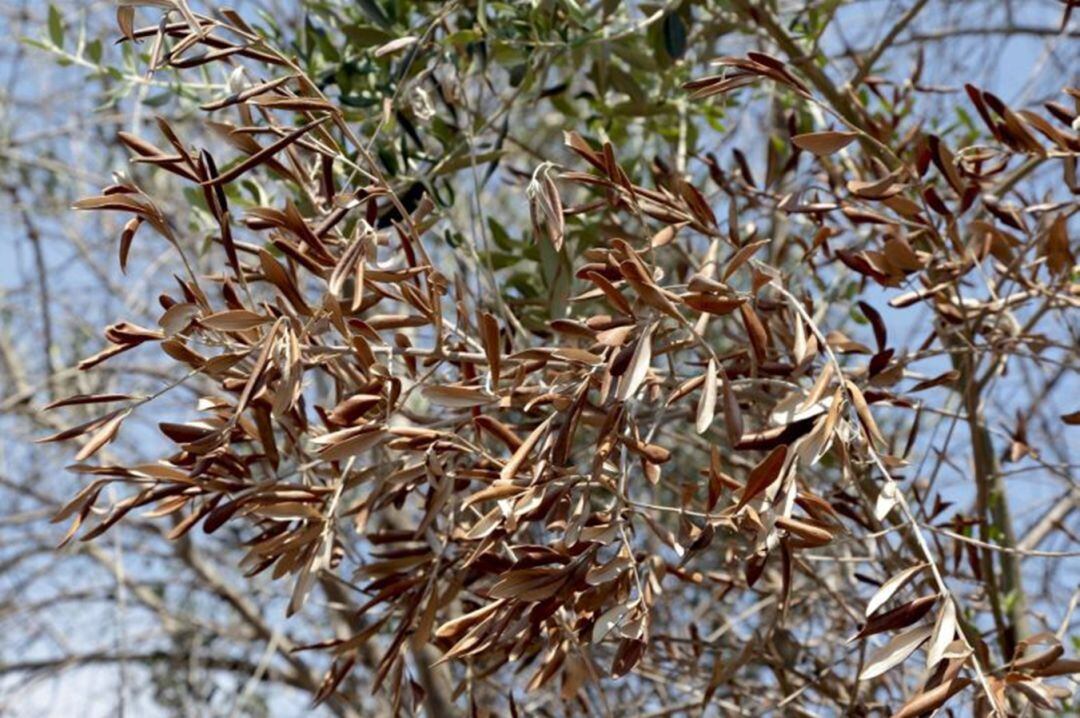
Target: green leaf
{"points": [[456, 163], [159, 99], [366, 36], [56, 26], [374, 12], [93, 51], [39, 44], [500, 235], [500, 260], [557, 274], [575, 10], [674, 36]]}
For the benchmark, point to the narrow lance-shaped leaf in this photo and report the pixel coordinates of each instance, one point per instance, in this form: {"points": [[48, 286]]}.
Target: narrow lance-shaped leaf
{"points": [[707, 400], [944, 630], [824, 143], [509, 471], [639, 365], [894, 652], [733, 423], [863, 410], [102, 436], [890, 587], [763, 475], [268, 151], [931, 700]]}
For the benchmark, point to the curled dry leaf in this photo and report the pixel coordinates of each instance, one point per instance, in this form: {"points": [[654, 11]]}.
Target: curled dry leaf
{"points": [[890, 587], [763, 475], [824, 143], [894, 652], [510, 470], [639, 365], [233, 320], [707, 401], [932, 699], [102, 436], [944, 630], [900, 617], [457, 396]]}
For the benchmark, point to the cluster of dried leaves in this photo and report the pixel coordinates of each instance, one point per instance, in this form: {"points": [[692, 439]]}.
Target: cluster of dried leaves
{"points": [[524, 498]]}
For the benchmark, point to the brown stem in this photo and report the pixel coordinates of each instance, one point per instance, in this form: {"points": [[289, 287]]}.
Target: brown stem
{"points": [[995, 522]]}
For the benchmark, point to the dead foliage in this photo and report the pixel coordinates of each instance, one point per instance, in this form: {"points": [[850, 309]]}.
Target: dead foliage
{"points": [[545, 497]]}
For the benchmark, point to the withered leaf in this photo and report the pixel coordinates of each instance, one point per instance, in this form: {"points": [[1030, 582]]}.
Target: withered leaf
{"points": [[529, 584], [126, 238], [707, 401], [608, 620], [80, 399], [233, 320], [339, 445], [509, 471], [900, 617], [755, 331], [177, 317], [627, 656], [763, 475], [733, 423], [263, 154], [931, 700], [639, 365], [824, 143], [863, 410], [945, 378], [894, 652], [741, 257], [713, 304], [102, 436], [457, 396], [944, 630], [489, 332], [890, 587]]}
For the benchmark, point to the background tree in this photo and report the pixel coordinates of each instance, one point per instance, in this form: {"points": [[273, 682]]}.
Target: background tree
{"points": [[769, 354]]}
